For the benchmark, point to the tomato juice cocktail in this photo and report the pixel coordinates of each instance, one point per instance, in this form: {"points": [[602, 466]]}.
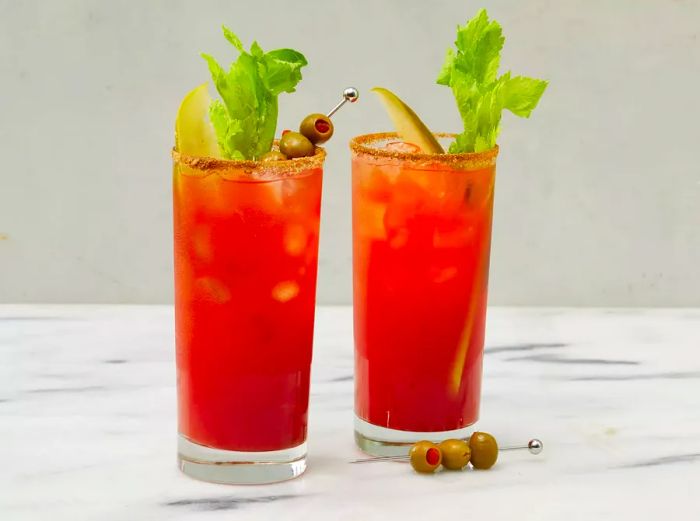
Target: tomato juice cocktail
{"points": [[246, 244], [421, 241]]}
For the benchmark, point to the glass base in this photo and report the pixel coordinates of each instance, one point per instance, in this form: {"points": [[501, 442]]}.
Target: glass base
{"points": [[380, 441], [239, 468]]}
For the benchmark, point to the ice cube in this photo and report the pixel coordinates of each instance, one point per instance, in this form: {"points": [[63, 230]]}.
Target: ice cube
{"points": [[445, 274], [211, 288], [398, 237], [402, 147], [218, 195], [280, 190], [285, 291], [201, 243], [453, 237], [370, 219], [295, 239]]}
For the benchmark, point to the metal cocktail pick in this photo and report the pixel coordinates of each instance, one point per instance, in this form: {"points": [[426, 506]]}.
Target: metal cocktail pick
{"points": [[350, 94], [534, 446]]}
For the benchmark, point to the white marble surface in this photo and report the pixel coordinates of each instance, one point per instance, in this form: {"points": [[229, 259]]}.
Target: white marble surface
{"points": [[87, 423]]}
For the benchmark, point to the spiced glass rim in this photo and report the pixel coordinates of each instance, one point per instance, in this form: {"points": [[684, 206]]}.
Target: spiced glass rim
{"points": [[248, 169], [363, 145]]}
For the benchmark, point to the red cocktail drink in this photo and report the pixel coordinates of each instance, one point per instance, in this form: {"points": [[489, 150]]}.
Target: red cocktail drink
{"points": [[421, 241], [246, 245]]}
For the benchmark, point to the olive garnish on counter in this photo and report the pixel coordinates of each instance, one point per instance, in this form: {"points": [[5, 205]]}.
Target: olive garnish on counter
{"points": [[484, 450], [425, 456], [455, 453], [480, 450]]}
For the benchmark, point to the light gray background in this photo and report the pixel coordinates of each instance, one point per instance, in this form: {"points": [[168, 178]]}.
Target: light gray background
{"points": [[597, 194]]}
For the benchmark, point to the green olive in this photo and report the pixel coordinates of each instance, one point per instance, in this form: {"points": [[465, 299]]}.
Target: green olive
{"points": [[273, 155], [455, 454], [484, 450], [425, 456], [295, 145], [317, 128]]}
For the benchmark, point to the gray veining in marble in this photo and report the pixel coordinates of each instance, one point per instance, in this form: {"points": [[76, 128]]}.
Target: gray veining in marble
{"points": [[87, 423]]}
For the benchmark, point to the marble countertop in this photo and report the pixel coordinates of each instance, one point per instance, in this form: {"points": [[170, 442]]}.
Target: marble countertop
{"points": [[87, 423]]}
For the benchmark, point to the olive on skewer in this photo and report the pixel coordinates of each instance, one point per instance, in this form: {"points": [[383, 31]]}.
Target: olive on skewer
{"points": [[317, 128], [273, 155], [484, 450], [314, 129], [455, 453], [294, 144], [425, 457]]}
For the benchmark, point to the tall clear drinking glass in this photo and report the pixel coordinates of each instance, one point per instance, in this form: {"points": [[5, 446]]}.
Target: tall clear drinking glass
{"points": [[421, 242], [246, 246]]}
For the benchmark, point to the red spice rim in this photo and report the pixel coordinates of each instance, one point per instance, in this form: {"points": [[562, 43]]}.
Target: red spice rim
{"points": [[361, 145], [254, 170]]}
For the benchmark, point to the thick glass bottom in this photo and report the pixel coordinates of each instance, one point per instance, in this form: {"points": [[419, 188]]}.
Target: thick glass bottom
{"points": [[380, 441], [239, 468]]}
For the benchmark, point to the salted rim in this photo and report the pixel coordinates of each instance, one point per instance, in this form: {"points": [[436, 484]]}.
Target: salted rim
{"points": [[244, 168], [360, 145]]}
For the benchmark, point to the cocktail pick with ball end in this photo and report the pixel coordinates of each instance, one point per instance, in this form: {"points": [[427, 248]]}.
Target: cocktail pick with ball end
{"points": [[350, 94], [318, 128], [481, 450]]}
